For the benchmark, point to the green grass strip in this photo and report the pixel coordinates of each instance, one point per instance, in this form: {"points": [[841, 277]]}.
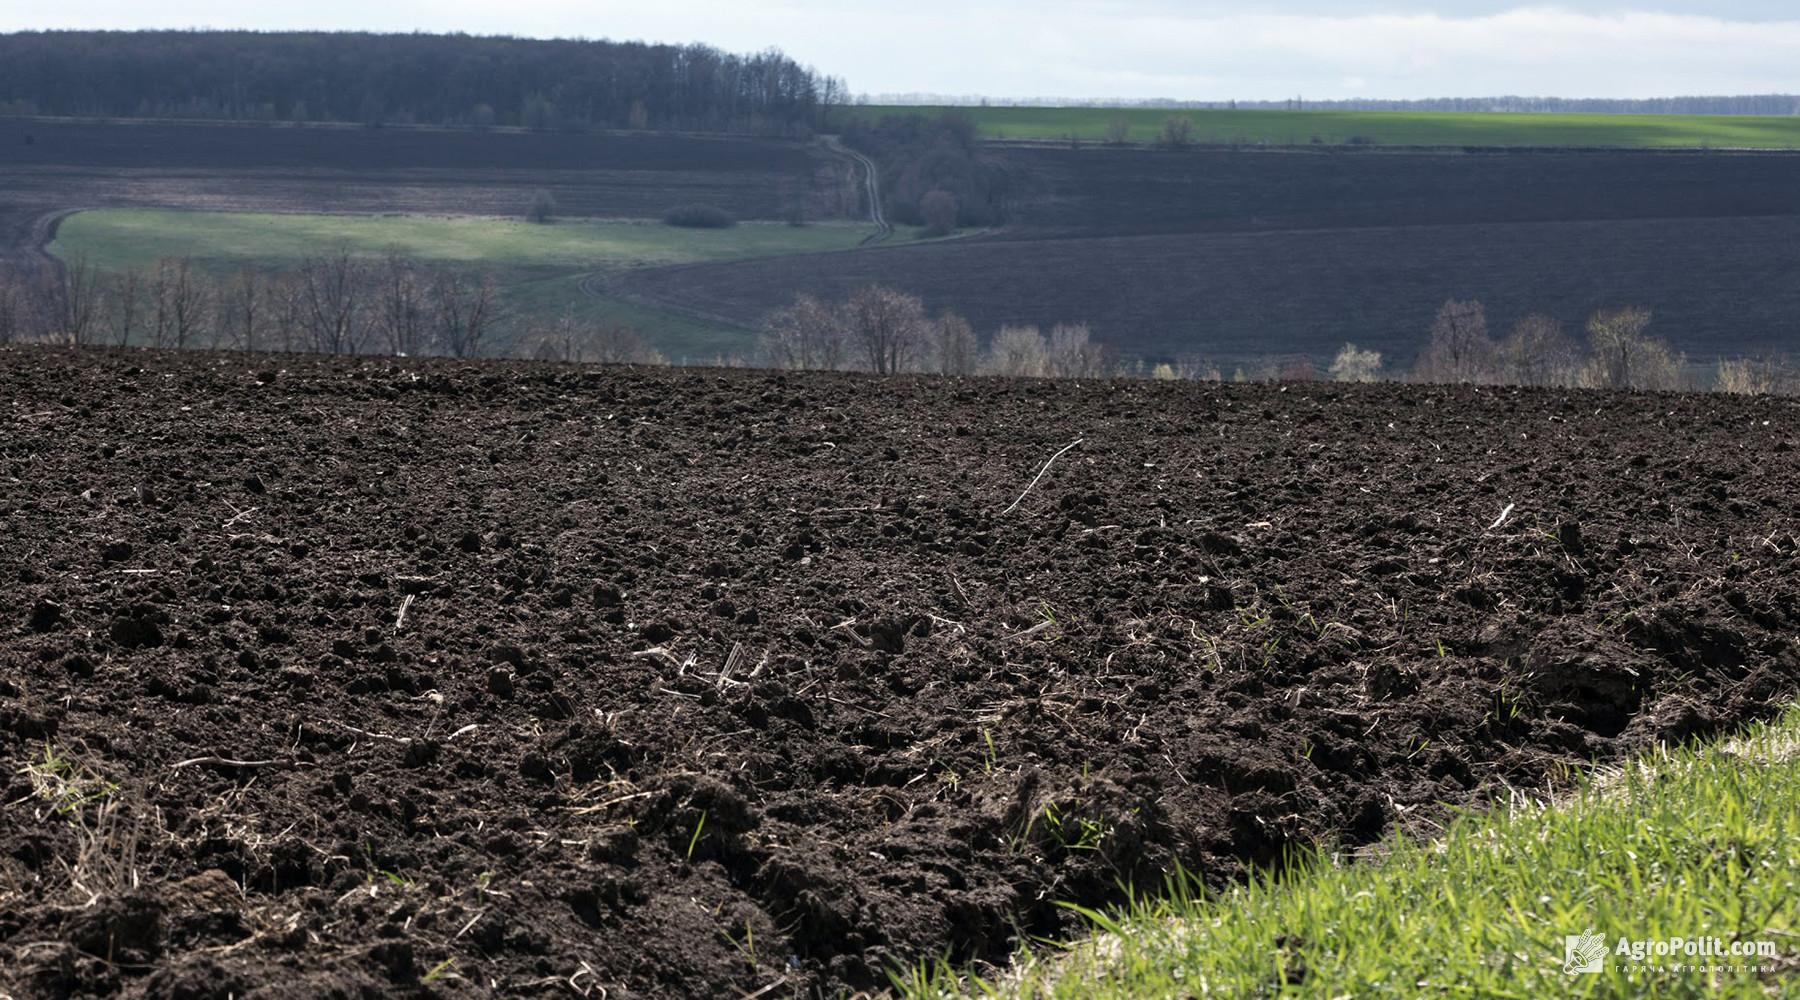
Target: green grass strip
{"points": [[1382, 128], [1694, 844]]}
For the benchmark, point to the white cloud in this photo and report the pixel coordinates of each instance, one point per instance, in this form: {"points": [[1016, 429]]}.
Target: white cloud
{"points": [[1118, 48]]}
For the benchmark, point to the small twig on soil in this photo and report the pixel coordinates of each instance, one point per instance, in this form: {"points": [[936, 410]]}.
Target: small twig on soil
{"points": [[1033, 630], [850, 704], [1498, 521], [373, 736], [1040, 475], [609, 803], [766, 990], [240, 515], [228, 762], [405, 606]]}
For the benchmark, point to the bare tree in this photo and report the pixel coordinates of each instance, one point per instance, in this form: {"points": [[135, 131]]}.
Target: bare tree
{"points": [[1537, 352], [617, 344], [807, 335], [331, 299], [1353, 364], [79, 305], [1623, 355], [400, 306], [178, 304], [570, 341], [1118, 131], [1460, 350], [954, 348], [1018, 351], [12, 308], [287, 312], [243, 310], [1072, 353], [125, 304], [888, 327], [464, 313]]}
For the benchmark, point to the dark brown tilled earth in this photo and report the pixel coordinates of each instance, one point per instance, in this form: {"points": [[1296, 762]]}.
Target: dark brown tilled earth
{"points": [[525, 680]]}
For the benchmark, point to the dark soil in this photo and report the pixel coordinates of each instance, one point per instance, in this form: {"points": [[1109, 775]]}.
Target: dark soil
{"points": [[1124, 191], [715, 681]]}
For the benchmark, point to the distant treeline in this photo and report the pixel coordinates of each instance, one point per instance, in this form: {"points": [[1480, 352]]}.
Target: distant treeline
{"points": [[341, 304], [406, 79], [1741, 104]]}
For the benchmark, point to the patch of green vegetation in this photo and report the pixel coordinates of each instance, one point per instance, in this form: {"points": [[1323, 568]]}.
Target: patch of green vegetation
{"points": [[540, 268], [1689, 844], [1383, 128], [118, 238]]}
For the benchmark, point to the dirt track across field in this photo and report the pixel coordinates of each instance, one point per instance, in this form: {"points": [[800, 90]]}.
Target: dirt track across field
{"points": [[375, 678]]}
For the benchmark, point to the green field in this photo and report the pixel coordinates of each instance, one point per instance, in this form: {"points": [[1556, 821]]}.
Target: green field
{"points": [[539, 267], [1683, 843], [1385, 128]]}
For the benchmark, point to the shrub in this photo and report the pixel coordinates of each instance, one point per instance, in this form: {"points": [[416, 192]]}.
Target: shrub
{"points": [[806, 335], [1353, 364], [1177, 132], [939, 211], [1071, 352], [543, 208], [889, 326], [954, 349], [1018, 351], [699, 217], [1460, 350], [1623, 355], [1538, 353]]}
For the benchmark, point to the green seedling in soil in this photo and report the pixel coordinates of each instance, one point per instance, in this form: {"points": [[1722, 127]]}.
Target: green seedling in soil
{"points": [[1079, 833], [694, 841], [1440, 649], [66, 785], [439, 970], [988, 762], [394, 878], [746, 947]]}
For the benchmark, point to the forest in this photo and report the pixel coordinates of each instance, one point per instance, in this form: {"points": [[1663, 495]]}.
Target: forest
{"points": [[417, 79]]}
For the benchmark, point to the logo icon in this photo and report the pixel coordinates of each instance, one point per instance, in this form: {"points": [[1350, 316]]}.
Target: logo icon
{"points": [[1583, 953]]}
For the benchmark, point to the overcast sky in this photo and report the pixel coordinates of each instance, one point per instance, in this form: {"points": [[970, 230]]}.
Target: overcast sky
{"points": [[1193, 50]]}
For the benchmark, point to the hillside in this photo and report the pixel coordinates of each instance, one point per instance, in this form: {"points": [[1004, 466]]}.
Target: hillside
{"points": [[1235, 256]]}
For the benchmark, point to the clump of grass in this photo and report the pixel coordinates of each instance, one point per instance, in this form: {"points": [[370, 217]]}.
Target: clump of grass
{"points": [[1683, 843], [67, 787]]}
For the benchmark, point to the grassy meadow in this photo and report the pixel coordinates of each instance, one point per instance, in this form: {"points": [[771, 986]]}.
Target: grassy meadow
{"points": [[1384, 128], [540, 268], [1691, 843]]}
